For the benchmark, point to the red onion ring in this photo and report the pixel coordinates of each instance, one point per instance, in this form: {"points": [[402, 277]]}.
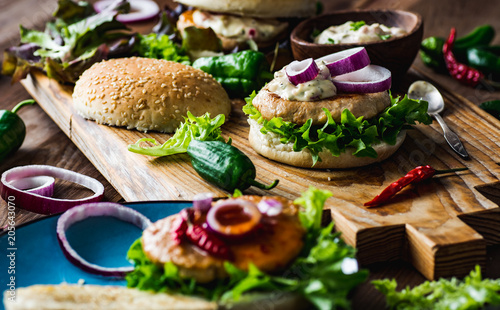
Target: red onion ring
{"points": [[202, 202], [42, 185], [370, 79], [346, 61], [248, 208], [301, 71], [79, 213], [270, 207], [140, 10], [36, 201]]}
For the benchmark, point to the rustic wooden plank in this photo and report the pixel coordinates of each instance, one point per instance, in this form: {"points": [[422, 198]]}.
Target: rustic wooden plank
{"points": [[421, 224]]}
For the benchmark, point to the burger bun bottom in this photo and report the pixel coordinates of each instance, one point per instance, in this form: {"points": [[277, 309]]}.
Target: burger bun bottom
{"points": [[269, 145]]}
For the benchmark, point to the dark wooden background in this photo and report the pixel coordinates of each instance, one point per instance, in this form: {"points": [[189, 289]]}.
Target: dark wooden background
{"points": [[46, 144]]}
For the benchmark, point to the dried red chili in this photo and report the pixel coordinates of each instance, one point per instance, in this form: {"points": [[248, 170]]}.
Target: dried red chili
{"points": [[459, 71], [413, 176]]}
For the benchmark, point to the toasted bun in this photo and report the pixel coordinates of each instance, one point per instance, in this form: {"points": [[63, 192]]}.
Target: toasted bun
{"points": [[269, 145], [147, 94], [257, 8], [95, 297], [85, 297], [271, 105]]}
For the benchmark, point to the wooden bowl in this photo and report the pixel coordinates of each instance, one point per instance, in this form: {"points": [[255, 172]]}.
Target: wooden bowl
{"points": [[396, 54]]}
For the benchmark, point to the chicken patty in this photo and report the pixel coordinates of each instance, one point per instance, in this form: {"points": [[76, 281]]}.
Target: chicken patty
{"points": [[270, 249], [271, 105]]}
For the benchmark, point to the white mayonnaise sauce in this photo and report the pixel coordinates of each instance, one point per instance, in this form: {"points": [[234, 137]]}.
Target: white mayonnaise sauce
{"points": [[319, 88], [357, 32]]}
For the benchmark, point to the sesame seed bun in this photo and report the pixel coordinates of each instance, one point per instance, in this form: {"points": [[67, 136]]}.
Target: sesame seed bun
{"points": [[147, 94], [257, 8]]}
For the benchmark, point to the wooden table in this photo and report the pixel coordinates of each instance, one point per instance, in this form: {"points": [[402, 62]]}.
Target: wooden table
{"points": [[46, 144]]}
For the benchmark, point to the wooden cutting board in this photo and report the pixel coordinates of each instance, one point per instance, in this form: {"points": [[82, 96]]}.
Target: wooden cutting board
{"points": [[442, 225]]}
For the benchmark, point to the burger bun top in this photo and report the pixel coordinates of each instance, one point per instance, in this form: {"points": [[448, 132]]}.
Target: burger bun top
{"points": [[257, 8]]}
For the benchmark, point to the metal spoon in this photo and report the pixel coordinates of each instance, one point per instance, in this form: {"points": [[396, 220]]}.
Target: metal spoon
{"points": [[426, 91]]}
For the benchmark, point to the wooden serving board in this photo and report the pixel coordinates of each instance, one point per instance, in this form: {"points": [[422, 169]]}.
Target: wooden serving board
{"points": [[442, 225]]}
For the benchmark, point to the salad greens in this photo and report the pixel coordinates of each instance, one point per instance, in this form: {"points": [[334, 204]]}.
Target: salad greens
{"points": [[352, 132], [161, 47], [318, 274], [473, 292], [202, 128], [69, 45]]}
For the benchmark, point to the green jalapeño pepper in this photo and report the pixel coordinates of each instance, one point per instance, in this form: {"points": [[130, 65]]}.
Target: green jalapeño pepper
{"points": [[12, 130], [224, 165], [239, 73], [485, 61], [431, 48]]}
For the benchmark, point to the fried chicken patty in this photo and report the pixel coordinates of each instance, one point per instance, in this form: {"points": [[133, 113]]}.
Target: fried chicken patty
{"points": [[270, 250]]}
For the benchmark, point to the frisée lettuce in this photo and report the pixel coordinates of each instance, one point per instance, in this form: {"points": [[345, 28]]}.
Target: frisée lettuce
{"points": [[319, 274], [357, 133], [201, 128], [473, 292]]}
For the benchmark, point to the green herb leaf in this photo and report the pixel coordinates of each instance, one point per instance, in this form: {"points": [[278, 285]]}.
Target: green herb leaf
{"points": [[356, 25], [201, 128], [351, 134], [472, 292]]}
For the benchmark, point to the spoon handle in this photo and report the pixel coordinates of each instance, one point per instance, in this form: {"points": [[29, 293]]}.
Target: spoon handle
{"points": [[452, 138]]}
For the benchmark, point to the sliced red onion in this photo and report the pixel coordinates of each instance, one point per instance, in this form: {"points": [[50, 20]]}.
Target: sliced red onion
{"points": [[346, 61], [270, 207], [370, 79], [79, 213], [301, 71], [202, 202], [140, 10], [42, 185], [221, 214], [37, 201]]}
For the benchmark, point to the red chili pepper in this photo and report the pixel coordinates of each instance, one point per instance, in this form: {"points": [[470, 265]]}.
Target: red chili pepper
{"points": [[459, 71], [184, 229], [413, 176]]}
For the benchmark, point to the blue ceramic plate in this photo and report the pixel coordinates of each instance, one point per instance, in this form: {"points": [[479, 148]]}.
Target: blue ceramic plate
{"points": [[104, 241]]}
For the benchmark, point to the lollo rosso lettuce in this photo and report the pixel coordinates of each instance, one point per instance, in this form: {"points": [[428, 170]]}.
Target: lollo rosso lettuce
{"points": [[356, 133], [322, 275]]}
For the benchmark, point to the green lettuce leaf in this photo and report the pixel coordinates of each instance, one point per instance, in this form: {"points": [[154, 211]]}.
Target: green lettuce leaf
{"points": [[318, 274], [161, 47], [473, 292], [354, 133], [201, 128]]}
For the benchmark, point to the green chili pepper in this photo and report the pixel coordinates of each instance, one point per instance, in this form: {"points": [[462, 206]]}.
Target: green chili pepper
{"points": [[492, 107], [431, 48], [239, 73], [12, 130], [224, 165], [485, 61]]}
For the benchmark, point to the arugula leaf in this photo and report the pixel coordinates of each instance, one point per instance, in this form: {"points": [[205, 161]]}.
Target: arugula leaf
{"points": [[201, 128], [472, 292], [352, 133], [319, 274]]}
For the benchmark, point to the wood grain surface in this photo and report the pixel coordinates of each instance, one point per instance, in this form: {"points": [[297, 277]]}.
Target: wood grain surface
{"points": [[46, 144]]}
